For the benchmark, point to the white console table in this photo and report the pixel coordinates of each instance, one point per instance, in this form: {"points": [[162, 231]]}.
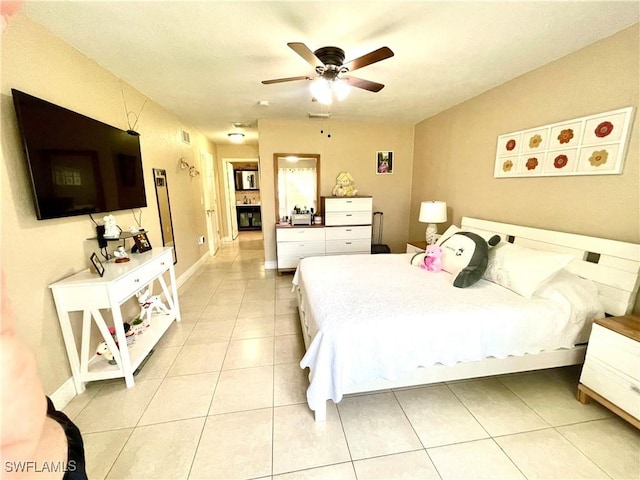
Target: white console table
{"points": [[89, 293]]}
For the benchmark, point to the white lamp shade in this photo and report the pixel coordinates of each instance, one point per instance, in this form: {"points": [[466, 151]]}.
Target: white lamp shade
{"points": [[433, 212]]}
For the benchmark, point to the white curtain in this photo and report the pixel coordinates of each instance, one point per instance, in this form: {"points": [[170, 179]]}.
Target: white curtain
{"points": [[296, 187]]}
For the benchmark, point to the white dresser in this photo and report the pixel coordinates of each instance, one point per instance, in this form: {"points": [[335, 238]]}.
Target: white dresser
{"points": [[295, 243], [89, 293], [348, 224], [611, 370]]}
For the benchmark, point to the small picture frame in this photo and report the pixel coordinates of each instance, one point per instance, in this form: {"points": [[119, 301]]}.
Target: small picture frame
{"points": [[142, 242], [97, 264], [384, 163]]}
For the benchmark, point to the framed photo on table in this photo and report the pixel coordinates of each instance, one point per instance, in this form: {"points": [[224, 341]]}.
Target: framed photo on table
{"points": [[97, 264], [142, 242]]}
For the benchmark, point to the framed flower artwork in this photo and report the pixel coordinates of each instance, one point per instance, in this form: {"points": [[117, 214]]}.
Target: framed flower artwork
{"points": [[591, 145]]}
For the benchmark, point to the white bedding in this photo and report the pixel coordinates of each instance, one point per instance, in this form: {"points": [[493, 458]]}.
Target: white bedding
{"points": [[376, 316]]}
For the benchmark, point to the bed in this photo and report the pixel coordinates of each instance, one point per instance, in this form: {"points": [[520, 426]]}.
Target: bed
{"points": [[374, 322]]}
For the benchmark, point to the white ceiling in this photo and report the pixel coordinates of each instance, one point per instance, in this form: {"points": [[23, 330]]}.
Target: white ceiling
{"points": [[205, 60]]}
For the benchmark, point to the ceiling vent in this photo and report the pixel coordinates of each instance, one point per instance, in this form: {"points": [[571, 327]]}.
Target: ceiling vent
{"points": [[319, 115], [244, 125], [186, 138]]}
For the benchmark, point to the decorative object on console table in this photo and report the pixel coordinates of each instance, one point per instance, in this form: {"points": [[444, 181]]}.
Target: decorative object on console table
{"points": [[431, 213], [611, 371], [142, 243], [97, 264]]}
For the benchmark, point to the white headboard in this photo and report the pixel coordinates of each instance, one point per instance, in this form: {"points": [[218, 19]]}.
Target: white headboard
{"points": [[612, 265]]}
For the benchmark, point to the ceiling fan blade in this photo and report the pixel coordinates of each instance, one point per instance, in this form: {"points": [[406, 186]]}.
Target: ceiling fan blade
{"points": [[364, 84], [372, 57], [302, 50], [289, 79]]}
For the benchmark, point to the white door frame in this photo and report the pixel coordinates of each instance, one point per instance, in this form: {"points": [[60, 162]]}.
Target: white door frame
{"points": [[210, 202], [230, 191]]}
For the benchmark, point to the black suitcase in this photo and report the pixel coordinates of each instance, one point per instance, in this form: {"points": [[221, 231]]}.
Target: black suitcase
{"points": [[378, 247]]}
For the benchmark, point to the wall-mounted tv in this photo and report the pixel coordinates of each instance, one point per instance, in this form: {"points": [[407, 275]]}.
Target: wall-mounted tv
{"points": [[78, 165]]}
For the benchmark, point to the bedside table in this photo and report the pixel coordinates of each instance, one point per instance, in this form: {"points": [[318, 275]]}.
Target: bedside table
{"points": [[611, 370], [417, 246]]}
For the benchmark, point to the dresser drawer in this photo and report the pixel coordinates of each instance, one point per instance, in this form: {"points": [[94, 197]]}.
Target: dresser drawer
{"points": [[620, 390], [286, 249], [291, 261], [348, 233], [348, 204], [299, 234], [139, 278], [347, 218], [359, 245], [617, 351]]}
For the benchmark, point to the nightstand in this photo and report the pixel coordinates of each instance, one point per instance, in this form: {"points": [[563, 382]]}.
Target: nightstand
{"points": [[416, 246], [611, 370]]}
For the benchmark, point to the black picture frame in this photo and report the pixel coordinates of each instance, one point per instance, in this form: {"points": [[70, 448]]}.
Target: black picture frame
{"points": [[142, 242], [97, 264]]}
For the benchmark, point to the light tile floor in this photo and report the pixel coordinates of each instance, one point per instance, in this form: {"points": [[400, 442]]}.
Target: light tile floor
{"points": [[223, 396]]}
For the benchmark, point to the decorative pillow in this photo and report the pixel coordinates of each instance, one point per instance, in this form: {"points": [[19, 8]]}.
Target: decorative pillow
{"points": [[522, 269], [465, 256], [447, 233]]}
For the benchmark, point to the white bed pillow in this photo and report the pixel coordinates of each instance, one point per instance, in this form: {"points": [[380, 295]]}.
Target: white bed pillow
{"points": [[577, 294], [523, 270]]}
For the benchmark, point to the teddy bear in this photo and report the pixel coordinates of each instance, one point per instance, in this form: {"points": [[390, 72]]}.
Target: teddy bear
{"points": [[104, 350], [432, 259], [344, 186]]}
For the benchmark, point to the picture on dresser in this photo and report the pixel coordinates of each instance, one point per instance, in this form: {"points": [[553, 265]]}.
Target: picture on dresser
{"points": [[384, 163], [142, 242]]}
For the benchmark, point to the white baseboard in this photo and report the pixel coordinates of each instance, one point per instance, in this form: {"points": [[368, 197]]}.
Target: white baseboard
{"points": [[271, 265], [67, 391], [64, 394]]}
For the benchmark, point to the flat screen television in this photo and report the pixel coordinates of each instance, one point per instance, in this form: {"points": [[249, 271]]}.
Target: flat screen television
{"points": [[78, 165]]}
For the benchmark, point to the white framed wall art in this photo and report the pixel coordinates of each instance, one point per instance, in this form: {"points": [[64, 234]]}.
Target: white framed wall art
{"points": [[591, 145]]}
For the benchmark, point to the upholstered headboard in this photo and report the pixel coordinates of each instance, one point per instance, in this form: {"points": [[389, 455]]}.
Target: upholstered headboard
{"points": [[612, 265]]}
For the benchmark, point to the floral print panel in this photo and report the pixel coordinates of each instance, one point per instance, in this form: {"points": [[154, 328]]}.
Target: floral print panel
{"points": [[590, 145]]}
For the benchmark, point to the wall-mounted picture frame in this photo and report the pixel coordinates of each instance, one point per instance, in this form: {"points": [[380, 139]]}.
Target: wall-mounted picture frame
{"points": [[142, 242], [384, 162], [97, 264], [591, 145]]}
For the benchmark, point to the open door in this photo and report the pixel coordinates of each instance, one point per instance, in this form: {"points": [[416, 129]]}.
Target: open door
{"points": [[210, 202], [231, 199]]}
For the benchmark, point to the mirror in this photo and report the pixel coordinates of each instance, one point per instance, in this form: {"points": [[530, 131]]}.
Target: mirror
{"points": [[164, 209], [246, 180], [297, 182]]}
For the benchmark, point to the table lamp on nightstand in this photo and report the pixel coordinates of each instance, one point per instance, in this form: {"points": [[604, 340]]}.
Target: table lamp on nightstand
{"points": [[431, 213]]}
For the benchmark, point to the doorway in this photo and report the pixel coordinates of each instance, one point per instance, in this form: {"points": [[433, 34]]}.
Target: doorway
{"points": [[210, 202], [243, 202]]}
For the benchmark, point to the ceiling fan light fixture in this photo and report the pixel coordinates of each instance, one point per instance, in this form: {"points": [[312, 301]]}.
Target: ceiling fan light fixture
{"points": [[236, 137], [321, 90], [340, 88]]}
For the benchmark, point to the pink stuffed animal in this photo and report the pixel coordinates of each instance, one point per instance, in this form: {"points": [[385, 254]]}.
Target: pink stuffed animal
{"points": [[432, 259]]}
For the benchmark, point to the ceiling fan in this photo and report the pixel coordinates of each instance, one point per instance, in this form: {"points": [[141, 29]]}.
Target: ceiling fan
{"points": [[329, 65]]}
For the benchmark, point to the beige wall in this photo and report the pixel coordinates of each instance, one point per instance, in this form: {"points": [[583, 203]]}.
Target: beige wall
{"points": [[352, 148], [455, 150], [37, 253]]}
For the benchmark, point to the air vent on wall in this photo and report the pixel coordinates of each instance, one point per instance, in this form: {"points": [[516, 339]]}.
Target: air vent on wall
{"points": [[186, 138], [319, 115]]}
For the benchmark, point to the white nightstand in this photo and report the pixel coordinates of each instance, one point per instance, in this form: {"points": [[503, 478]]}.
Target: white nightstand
{"points": [[611, 370], [416, 246]]}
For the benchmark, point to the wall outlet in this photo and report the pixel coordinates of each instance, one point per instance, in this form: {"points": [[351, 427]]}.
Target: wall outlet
{"points": [[201, 240]]}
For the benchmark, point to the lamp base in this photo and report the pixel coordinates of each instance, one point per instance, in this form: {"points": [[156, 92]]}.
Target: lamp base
{"points": [[432, 231]]}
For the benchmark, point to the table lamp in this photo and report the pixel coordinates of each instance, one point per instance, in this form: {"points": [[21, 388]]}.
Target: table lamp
{"points": [[431, 213]]}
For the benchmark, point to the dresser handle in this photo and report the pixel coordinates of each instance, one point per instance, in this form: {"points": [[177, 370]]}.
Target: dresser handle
{"points": [[348, 215], [347, 229], [348, 243], [137, 280], [635, 389]]}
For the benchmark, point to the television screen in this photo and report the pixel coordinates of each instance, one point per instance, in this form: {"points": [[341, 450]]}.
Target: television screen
{"points": [[78, 165]]}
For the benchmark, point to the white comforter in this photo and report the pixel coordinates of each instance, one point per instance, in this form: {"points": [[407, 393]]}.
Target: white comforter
{"points": [[376, 316]]}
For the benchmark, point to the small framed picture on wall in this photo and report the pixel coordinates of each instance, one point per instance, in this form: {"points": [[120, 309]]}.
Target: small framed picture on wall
{"points": [[384, 162]]}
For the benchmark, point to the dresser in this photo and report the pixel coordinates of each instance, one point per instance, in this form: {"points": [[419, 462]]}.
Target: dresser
{"points": [[295, 243], [93, 295], [611, 371], [348, 224]]}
